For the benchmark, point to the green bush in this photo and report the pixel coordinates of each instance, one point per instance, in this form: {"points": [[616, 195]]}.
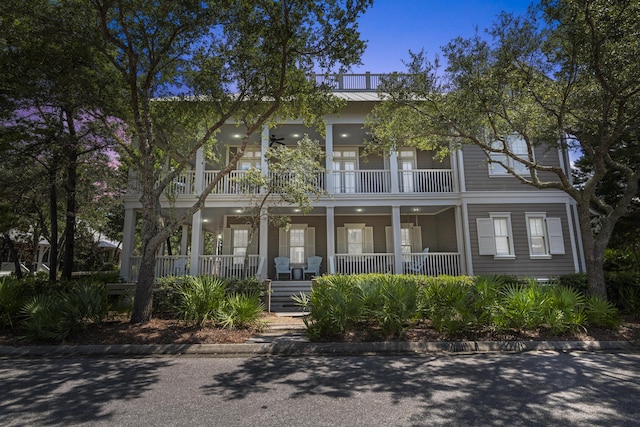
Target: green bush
{"points": [[55, 314], [241, 310], [246, 286], [12, 298], [449, 303], [199, 299], [602, 313]]}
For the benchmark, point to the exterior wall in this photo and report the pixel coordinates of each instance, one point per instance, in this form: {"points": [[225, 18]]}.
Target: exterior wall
{"points": [[522, 265], [476, 171], [425, 160], [378, 222], [318, 222], [371, 161]]}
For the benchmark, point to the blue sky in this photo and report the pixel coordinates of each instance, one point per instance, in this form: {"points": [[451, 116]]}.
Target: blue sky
{"points": [[393, 27]]}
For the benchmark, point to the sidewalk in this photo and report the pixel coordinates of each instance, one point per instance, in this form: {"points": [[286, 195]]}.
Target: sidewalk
{"points": [[284, 335]]}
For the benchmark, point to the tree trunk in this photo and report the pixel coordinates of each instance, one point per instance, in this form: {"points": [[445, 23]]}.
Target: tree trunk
{"points": [[594, 255], [53, 217], [14, 255], [143, 301], [71, 159]]}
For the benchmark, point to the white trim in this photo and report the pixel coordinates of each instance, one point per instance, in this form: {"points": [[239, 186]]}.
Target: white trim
{"points": [[467, 237], [507, 215], [572, 238], [543, 216]]}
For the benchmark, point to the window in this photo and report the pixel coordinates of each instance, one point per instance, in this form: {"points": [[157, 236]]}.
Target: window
{"points": [[544, 235], [405, 242], [344, 166], [516, 145], [250, 159], [495, 236], [406, 159], [355, 241], [240, 242], [296, 245]]}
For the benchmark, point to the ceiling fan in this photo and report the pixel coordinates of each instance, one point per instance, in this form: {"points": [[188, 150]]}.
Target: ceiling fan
{"points": [[274, 140]]}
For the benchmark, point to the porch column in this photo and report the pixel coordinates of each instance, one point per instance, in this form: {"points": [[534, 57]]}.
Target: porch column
{"points": [[264, 148], [393, 170], [198, 183], [460, 239], [458, 171], [263, 244], [331, 240], [127, 243], [197, 243], [328, 146], [185, 239], [397, 239]]}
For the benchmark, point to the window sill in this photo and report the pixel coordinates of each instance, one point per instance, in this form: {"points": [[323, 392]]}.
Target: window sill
{"points": [[504, 257], [540, 256]]}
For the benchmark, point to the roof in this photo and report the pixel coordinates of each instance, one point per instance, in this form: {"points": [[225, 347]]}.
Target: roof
{"points": [[355, 96]]}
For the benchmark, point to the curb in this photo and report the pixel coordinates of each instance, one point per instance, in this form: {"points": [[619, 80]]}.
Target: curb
{"points": [[319, 349]]}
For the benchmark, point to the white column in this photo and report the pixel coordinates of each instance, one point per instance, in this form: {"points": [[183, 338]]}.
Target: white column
{"points": [[458, 171], [198, 184], [467, 237], [331, 239], [185, 239], [127, 243], [263, 244], [397, 239], [264, 148], [197, 243], [328, 146], [393, 168], [460, 237]]}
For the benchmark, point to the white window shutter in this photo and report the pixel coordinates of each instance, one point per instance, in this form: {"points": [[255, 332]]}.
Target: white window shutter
{"points": [[341, 240], [486, 240], [388, 233], [368, 240], [227, 243], [253, 248], [416, 239], [311, 241], [556, 240], [283, 243]]}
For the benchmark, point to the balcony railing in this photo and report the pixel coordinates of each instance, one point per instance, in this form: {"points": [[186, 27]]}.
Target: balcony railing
{"points": [[341, 182], [165, 266], [426, 181], [350, 82]]}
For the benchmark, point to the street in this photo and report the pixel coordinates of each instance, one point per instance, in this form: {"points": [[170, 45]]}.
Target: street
{"points": [[538, 388]]}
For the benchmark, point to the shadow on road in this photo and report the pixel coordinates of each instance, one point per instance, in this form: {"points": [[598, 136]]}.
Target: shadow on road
{"points": [[509, 389], [69, 391]]}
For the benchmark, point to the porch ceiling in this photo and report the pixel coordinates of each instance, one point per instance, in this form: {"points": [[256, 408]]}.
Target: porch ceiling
{"points": [[343, 134]]}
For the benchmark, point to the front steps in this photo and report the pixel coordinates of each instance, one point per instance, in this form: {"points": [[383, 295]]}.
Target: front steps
{"points": [[281, 292]]}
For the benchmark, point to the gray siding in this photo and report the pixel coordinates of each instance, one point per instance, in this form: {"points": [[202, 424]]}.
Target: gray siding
{"points": [[477, 177], [522, 265], [438, 231], [371, 161], [425, 160]]}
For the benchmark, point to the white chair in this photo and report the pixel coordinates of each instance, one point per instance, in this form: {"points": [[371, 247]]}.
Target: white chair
{"points": [[282, 266], [313, 266], [180, 267], [417, 265]]}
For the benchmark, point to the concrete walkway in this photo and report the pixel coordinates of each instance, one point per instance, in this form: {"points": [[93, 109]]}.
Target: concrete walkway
{"points": [[284, 335]]}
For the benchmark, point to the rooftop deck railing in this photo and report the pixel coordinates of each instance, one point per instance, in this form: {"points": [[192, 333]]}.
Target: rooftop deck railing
{"points": [[349, 82]]}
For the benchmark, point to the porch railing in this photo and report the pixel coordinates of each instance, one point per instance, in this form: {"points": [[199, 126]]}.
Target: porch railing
{"points": [[165, 266], [364, 263], [228, 265], [426, 181], [432, 264], [214, 265], [349, 82]]}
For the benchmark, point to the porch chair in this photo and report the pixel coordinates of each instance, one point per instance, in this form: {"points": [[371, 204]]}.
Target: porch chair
{"points": [[180, 267], [313, 266], [418, 263], [282, 266]]}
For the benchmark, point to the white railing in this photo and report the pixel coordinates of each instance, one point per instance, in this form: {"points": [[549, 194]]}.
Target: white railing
{"points": [[165, 266], [426, 181], [349, 82], [315, 178], [227, 265], [182, 185], [432, 264], [364, 263], [361, 181], [231, 183]]}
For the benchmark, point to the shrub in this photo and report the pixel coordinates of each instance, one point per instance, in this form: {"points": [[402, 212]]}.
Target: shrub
{"points": [[448, 302], [336, 307], [11, 301], [602, 313], [563, 309], [200, 298], [241, 310], [247, 286], [520, 307]]}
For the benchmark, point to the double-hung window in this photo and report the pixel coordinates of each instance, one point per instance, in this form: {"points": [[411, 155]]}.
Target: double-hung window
{"points": [[495, 236], [297, 245], [544, 235], [516, 145], [240, 242]]}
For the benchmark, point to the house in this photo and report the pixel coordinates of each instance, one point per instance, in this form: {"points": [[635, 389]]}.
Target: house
{"points": [[402, 213]]}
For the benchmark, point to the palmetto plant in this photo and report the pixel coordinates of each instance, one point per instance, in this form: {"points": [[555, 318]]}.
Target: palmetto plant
{"points": [[240, 310], [601, 312], [200, 298]]}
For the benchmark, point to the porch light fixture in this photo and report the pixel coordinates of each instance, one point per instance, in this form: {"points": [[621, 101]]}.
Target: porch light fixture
{"points": [[359, 210], [344, 135], [239, 211], [205, 220]]}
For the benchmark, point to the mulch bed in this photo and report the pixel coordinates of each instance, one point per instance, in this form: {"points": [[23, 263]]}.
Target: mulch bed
{"points": [[117, 330]]}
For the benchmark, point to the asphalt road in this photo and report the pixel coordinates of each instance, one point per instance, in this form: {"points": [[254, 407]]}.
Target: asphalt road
{"points": [[538, 388]]}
